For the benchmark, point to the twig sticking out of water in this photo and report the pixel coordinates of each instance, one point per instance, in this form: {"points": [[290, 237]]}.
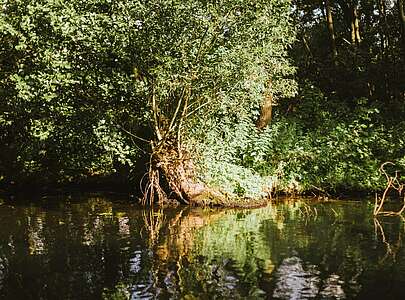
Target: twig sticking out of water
{"points": [[392, 184]]}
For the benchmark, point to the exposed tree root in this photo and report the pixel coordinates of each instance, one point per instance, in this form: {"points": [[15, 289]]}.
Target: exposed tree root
{"points": [[172, 179]]}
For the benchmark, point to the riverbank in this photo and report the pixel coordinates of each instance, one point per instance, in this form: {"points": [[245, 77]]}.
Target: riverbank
{"points": [[124, 190]]}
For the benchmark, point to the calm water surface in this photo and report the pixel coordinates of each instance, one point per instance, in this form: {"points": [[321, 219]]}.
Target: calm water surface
{"points": [[93, 247]]}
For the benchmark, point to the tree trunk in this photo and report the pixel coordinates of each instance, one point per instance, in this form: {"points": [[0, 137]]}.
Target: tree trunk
{"points": [[172, 179], [401, 8], [179, 174], [352, 32], [355, 27], [329, 21], [385, 45], [382, 31], [266, 109]]}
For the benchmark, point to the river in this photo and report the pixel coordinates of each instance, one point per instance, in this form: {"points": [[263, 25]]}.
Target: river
{"points": [[105, 247]]}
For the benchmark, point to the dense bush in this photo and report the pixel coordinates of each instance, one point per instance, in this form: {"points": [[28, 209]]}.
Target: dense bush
{"points": [[324, 147], [65, 87]]}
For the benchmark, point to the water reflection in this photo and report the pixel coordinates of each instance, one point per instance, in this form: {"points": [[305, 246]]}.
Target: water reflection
{"points": [[3, 265], [94, 248], [294, 282], [35, 234], [333, 288]]}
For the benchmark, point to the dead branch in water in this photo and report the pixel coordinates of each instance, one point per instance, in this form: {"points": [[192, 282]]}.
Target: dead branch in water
{"points": [[392, 248], [392, 184], [153, 223]]}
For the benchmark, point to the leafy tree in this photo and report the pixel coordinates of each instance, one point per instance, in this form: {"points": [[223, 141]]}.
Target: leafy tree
{"points": [[64, 81], [85, 84]]}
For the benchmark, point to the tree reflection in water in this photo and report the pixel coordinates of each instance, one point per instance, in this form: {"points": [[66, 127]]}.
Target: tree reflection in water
{"points": [[3, 266], [95, 248]]}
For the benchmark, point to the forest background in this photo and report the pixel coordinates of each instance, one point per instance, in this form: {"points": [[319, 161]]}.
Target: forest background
{"points": [[221, 99]]}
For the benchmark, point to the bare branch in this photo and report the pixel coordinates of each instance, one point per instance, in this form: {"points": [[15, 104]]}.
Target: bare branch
{"points": [[155, 114], [392, 184]]}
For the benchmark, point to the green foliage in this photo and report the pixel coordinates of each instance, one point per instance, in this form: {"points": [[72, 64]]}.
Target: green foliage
{"points": [[323, 146], [74, 74], [65, 84], [83, 84]]}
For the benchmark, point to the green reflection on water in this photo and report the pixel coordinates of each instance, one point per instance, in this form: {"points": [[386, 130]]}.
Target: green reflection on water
{"points": [[92, 248]]}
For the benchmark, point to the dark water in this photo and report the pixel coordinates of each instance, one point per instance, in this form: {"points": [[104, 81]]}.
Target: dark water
{"points": [[96, 248]]}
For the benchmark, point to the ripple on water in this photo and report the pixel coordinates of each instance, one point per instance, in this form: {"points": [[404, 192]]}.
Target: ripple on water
{"points": [[135, 262], [294, 282]]}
